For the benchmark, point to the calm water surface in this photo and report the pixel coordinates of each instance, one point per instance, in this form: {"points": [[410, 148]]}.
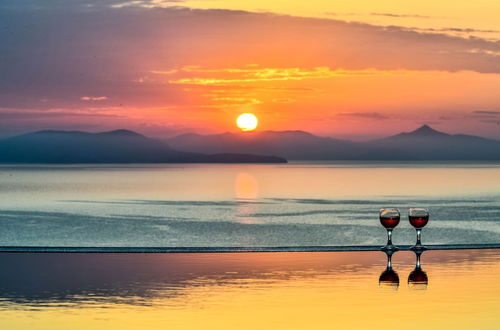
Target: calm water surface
{"points": [[245, 205], [331, 290]]}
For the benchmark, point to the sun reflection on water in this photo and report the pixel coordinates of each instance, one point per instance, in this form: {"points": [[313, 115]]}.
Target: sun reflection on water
{"points": [[247, 193]]}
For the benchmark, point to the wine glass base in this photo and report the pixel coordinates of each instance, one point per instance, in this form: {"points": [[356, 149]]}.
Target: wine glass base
{"points": [[418, 248], [389, 248]]}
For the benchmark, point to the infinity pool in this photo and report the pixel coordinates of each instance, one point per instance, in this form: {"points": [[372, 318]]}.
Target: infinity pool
{"points": [[303, 290]]}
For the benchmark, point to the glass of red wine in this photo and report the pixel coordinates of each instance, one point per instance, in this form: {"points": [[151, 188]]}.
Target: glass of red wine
{"points": [[418, 219], [389, 218]]}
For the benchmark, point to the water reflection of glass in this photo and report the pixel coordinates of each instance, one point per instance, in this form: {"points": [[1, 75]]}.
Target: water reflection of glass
{"points": [[389, 276], [389, 218], [418, 278]]}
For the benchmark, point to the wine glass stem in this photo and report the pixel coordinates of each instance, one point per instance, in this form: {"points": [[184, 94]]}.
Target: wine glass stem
{"points": [[418, 236], [389, 261], [389, 237], [418, 261]]}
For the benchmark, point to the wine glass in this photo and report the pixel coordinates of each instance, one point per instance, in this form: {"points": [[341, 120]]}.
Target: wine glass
{"points": [[389, 277], [389, 218], [418, 278], [418, 218]]}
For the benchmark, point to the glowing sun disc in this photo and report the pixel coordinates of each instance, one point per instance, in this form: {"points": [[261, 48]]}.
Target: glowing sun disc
{"points": [[247, 122]]}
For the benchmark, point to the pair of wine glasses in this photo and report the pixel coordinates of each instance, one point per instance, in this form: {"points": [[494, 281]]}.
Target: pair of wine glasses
{"points": [[389, 218]]}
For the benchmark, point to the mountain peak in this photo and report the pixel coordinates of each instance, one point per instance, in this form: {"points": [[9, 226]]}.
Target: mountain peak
{"points": [[122, 132], [289, 132], [426, 130]]}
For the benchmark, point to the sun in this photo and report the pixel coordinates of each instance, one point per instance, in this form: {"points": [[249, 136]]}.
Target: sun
{"points": [[247, 122]]}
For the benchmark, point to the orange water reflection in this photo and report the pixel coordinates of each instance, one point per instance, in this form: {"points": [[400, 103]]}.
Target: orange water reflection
{"points": [[222, 182], [246, 186], [246, 291], [246, 192]]}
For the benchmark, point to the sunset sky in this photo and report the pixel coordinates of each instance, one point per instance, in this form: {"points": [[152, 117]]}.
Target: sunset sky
{"points": [[355, 69]]}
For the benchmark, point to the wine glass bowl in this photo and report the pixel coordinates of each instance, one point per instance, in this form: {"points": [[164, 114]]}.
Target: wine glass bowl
{"points": [[389, 218], [389, 277], [418, 279], [418, 217]]}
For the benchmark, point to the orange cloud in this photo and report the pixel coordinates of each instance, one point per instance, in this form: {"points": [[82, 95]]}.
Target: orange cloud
{"points": [[93, 98], [255, 75]]}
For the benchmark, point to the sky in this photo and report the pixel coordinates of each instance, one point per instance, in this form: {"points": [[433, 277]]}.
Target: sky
{"points": [[348, 69]]}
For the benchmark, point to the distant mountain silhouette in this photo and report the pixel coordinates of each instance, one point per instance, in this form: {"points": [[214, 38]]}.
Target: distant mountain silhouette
{"points": [[423, 131], [119, 146], [288, 144], [425, 143]]}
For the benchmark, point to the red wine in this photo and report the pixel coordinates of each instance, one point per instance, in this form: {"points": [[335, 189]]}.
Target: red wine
{"points": [[418, 276], [389, 223], [419, 221], [389, 276]]}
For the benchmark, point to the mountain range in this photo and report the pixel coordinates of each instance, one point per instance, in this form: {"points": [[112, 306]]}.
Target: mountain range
{"points": [[124, 146], [119, 146], [425, 143]]}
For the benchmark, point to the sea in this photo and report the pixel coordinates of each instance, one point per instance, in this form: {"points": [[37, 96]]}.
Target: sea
{"points": [[298, 204], [245, 205]]}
